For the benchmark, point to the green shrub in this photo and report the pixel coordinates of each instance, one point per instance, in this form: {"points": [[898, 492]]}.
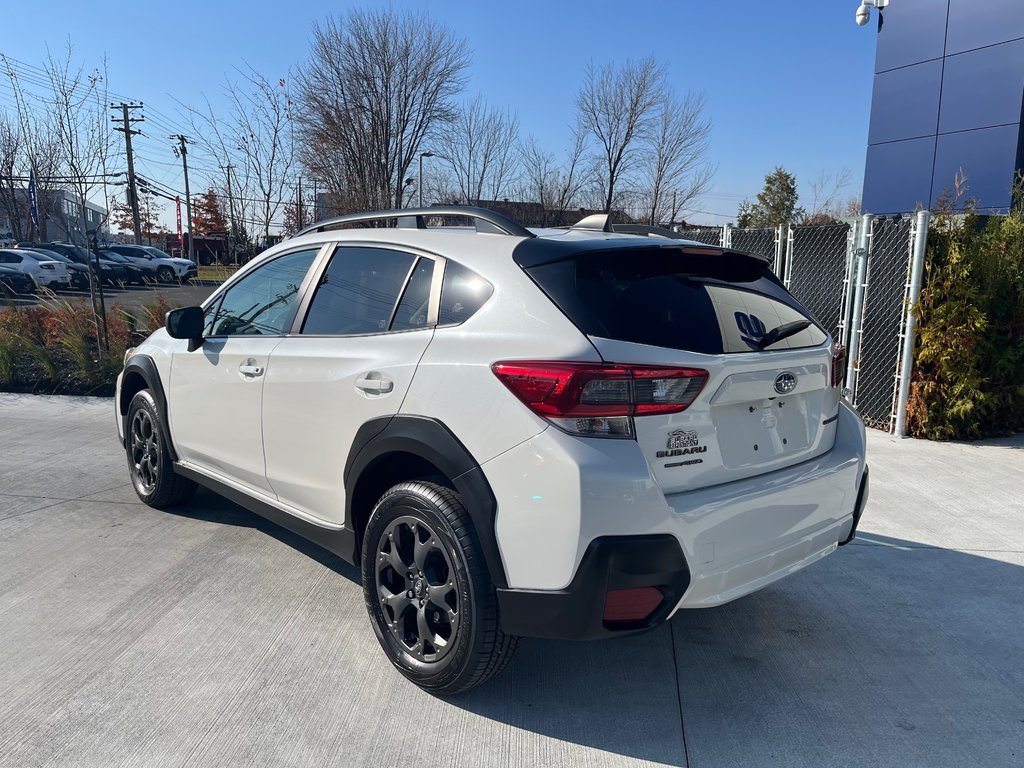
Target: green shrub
{"points": [[968, 379]]}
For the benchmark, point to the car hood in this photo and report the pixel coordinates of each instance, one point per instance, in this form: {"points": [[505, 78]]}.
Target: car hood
{"points": [[174, 260]]}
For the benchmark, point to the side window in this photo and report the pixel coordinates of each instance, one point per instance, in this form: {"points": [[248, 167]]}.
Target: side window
{"points": [[263, 302], [358, 292], [462, 294], [412, 309]]}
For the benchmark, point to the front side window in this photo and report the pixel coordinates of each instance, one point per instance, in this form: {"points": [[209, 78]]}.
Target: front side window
{"points": [[263, 302], [358, 292]]}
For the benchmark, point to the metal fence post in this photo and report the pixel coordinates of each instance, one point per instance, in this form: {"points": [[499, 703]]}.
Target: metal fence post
{"points": [[780, 250], [848, 283], [788, 272], [857, 318], [910, 322], [727, 235]]}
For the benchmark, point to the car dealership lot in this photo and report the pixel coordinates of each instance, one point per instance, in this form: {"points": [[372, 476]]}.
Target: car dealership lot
{"points": [[192, 292], [209, 637]]}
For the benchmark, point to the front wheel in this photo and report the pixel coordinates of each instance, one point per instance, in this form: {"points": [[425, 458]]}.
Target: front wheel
{"points": [[428, 592], [165, 275], [149, 461]]}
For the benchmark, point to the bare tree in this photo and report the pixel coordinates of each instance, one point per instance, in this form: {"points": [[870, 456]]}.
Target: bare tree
{"points": [[479, 146], [80, 133], [826, 205], [28, 144], [256, 139], [377, 83], [11, 153], [556, 187], [675, 168], [619, 108]]}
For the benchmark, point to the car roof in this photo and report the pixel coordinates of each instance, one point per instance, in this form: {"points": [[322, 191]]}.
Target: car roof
{"points": [[528, 247]]}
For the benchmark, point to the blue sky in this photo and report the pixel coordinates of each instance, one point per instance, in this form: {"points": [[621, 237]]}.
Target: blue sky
{"points": [[785, 83]]}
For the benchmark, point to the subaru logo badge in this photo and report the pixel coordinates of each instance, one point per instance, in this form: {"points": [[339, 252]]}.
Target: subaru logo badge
{"points": [[785, 383]]}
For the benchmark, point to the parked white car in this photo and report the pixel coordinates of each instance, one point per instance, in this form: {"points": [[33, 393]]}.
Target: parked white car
{"points": [[567, 433], [168, 269], [45, 273]]}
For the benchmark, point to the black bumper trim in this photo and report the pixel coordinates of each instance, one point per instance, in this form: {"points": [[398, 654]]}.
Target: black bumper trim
{"points": [[610, 562], [858, 511]]}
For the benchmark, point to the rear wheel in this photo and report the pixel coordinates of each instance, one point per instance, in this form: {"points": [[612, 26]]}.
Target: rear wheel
{"points": [[149, 460], [428, 592]]}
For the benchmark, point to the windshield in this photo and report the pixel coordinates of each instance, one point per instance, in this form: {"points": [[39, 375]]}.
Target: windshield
{"points": [[157, 252], [113, 256]]}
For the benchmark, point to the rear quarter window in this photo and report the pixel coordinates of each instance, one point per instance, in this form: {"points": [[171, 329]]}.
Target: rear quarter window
{"points": [[710, 304]]}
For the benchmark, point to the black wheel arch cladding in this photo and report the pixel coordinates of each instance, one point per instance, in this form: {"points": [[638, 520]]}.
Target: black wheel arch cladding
{"points": [[144, 367], [429, 440]]}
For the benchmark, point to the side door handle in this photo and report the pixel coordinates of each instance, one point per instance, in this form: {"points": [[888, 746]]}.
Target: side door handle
{"points": [[375, 385], [250, 370]]}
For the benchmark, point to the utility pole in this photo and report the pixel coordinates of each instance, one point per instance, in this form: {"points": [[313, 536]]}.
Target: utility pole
{"points": [[133, 195], [233, 238], [183, 141]]}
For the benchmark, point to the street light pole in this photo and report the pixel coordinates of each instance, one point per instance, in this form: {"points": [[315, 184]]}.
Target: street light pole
{"points": [[419, 180]]}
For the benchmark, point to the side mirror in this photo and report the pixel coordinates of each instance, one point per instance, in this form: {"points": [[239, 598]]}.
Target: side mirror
{"points": [[186, 323]]}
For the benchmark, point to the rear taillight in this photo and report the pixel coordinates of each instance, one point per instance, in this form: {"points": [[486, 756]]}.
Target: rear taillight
{"points": [[838, 365], [599, 400]]}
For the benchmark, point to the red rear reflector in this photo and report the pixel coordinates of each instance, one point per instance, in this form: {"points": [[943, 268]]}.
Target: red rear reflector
{"points": [[623, 606], [838, 365]]}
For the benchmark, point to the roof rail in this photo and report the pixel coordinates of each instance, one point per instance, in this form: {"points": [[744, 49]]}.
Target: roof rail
{"points": [[485, 220]]}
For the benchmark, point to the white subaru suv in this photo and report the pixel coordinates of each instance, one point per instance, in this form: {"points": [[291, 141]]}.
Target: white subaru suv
{"points": [[564, 433]]}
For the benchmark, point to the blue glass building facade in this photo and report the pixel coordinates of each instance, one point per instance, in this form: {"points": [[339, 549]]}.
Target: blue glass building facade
{"points": [[948, 97]]}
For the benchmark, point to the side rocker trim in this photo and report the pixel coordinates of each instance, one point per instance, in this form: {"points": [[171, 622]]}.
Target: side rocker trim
{"points": [[431, 440], [341, 542]]}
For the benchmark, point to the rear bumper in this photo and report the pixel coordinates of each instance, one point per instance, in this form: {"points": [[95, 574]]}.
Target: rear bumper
{"points": [[610, 563], [560, 495]]}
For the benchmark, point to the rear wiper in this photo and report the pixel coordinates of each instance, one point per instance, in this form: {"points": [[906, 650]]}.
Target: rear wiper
{"points": [[783, 331]]}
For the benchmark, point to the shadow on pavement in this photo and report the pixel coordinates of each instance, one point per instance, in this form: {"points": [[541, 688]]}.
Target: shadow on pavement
{"points": [[888, 652]]}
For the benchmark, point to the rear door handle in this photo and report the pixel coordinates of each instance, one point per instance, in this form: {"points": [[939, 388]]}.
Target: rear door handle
{"points": [[375, 385], [250, 370]]}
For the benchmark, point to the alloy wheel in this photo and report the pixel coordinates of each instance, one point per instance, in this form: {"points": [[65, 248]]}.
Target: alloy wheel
{"points": [[145, 450], [417, 588]]}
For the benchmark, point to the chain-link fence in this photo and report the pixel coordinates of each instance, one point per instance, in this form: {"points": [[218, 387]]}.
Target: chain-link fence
{"points": [[763, 242], [821, 266], [880, 337], [816, 270], [706, 235]]}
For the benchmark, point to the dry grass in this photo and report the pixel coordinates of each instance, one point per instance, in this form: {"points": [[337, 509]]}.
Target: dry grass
{"points": [[51, 348]]}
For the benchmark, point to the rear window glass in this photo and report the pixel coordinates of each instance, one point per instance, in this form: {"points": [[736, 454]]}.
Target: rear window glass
{"points": [[667, 298]]}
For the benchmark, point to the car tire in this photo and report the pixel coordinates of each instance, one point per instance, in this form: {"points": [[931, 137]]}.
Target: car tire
{"points": [[149, 459], [424, 530], [165, 275]]}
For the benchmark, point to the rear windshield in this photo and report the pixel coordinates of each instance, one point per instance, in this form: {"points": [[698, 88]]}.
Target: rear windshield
{"points": [[711, 304]]}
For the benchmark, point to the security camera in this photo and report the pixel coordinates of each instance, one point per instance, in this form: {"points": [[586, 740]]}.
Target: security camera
{"points": [[864, 12]]}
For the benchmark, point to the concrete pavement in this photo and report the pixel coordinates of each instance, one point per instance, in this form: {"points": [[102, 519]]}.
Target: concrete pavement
{"points": [[210, 637]]}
